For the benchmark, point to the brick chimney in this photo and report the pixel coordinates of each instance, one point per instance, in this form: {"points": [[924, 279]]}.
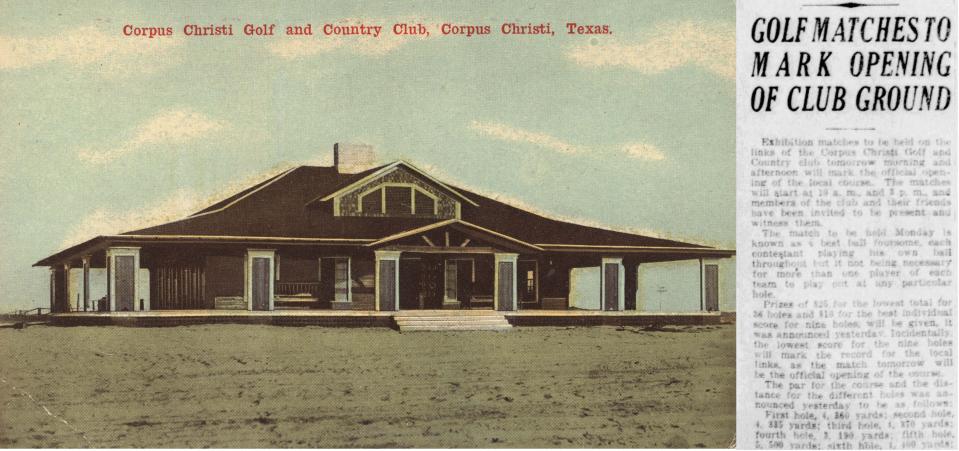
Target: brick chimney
{"points": [[353, 158]]}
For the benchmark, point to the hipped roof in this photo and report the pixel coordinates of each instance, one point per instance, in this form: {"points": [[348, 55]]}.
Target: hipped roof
{"points": [[286, 206]]}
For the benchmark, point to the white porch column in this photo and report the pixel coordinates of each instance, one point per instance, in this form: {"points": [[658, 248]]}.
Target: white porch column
{"points": [[70, 295], [53, 288], [504, 281], [86, 282], [702, 285], [387, 270], [258, 279], [612, 289], [123, 274], [710, 296]]}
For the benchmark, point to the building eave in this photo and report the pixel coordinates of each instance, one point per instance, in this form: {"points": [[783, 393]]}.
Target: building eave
{"points": [[95, 244], [705, 251]]}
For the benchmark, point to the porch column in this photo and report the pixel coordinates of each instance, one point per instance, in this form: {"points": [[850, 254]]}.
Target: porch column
{"points": [[611, 284], [258, 279], [53, 288], [702, 285], [387, 297], [504, 281], [709, 285], [86, 282], [68, 294], [630, 284], [59, 300], [123, 279]]}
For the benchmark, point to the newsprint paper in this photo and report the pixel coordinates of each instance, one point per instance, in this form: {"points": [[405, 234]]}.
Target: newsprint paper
{"points": [[846, 151], [460, 224]]}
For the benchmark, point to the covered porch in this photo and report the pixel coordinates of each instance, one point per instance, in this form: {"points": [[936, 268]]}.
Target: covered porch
{"points": [[370, 318], [443, 266]]}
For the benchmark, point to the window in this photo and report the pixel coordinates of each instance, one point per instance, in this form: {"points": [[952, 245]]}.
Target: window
{"points": [[372, 202], [451, 279], [399, 200], [424, 205]]}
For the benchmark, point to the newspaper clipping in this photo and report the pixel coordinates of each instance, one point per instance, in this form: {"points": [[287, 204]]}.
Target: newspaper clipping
{"points": [[846, 136]]}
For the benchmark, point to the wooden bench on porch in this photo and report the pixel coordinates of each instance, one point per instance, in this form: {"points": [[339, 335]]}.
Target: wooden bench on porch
{"points": [[297, 295], [481, 302]]}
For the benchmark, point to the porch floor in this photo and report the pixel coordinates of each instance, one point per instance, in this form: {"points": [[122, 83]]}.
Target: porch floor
{"points": [[366, 318], [364, 313]]}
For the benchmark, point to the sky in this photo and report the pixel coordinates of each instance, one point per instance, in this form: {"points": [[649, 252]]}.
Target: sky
{"points": [[103, 133]]}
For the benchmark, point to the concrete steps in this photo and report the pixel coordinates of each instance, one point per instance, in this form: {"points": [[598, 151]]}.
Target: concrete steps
{"points": [[439, 320]]}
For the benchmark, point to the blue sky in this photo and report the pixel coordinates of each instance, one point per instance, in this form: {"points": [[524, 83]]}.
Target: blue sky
{"points": [[103, 133]]}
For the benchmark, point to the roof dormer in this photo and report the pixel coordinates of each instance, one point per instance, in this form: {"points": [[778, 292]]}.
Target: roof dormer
{"points": [[398, 190]]}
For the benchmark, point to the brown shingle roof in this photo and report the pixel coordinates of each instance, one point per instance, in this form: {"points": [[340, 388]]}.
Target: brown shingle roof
{"points": [[279, 209]]}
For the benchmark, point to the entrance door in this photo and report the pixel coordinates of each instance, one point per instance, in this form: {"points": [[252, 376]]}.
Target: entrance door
{"points": [[464, 282], [458, 281], [422, 282], [326, 283], [124, 283], [261, 283], [711, 288], [526, 271], [410, 281]]}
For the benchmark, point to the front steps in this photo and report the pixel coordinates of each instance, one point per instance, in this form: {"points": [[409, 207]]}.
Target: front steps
{"points": [[438, 320]]}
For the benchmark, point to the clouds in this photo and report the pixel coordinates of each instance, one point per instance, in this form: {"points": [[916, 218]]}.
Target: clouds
{"points": [[169, 127], [90, 48], [710, 46], [642, 151], [108, 221], [505, 132], [176, 205]]}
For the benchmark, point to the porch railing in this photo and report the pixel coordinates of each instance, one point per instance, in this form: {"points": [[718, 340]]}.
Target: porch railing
{"points": [[298, 288]]}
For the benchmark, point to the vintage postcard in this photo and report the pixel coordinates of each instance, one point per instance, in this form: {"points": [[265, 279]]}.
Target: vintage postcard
{"points": [[367, 224]]}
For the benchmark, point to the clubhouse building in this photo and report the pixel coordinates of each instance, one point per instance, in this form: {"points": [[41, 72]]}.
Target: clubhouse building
{"points": [[387, 238]]}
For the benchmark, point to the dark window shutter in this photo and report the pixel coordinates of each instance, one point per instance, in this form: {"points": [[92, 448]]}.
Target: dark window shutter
{"points": [[425, 205], [372, 202], [398, 201]]}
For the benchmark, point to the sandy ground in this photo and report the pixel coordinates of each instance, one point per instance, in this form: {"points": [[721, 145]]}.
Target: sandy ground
{"points": [[257, 386]]}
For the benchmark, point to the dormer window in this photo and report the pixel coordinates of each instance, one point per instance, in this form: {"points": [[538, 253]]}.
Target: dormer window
{"points": [[397, 190], [423, 203], [397, 200], [372, 202]]}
